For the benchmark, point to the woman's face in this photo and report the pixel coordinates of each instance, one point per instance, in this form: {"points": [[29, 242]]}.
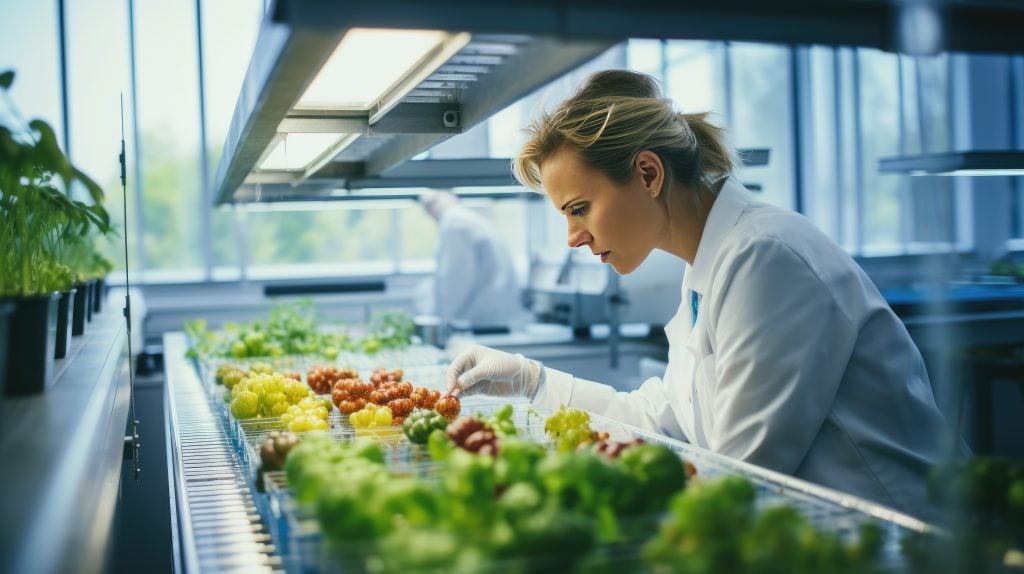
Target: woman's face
{"points": [[620, 223]]}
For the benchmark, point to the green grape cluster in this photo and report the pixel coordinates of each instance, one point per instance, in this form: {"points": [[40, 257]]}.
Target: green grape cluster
{"points": [[569, 427], [266, 394], [310, 413]]}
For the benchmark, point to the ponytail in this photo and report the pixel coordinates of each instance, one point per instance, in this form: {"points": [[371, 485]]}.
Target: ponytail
{"points": [[718, 158]]}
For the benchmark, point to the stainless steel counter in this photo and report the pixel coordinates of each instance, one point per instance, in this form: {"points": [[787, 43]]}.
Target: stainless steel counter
{"points": [[62, 453], [215, 525]]}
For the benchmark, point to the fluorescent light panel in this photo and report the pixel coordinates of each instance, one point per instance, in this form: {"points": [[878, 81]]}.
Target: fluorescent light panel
{"points": [[296, 151], [365, 65]]}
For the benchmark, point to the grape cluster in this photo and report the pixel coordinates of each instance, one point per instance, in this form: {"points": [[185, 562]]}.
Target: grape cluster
{"points": [[386, 388], [473, 434], [310, 413], [262, 394], [371, 416], [322, 378], [382, 375], [230, 374], [448, 406], [569, 428], [425, 398]]}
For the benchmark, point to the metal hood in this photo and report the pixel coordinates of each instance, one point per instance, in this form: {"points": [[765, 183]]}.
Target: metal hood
{"points": [[493, 52]]}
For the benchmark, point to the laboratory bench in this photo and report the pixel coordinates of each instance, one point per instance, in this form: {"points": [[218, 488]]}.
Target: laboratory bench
{"points": [[221, 521]]}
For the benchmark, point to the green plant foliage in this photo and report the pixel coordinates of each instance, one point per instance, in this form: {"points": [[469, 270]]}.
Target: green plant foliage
{"points": [[44, 232], [291, 329]]}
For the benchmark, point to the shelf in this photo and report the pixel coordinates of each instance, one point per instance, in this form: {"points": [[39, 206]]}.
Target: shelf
{"points": [[960, 163], [62, 451]]}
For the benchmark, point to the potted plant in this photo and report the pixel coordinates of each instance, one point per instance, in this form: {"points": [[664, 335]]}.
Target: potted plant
{"points": [[101, 268], [37, 219], [79, 254]]}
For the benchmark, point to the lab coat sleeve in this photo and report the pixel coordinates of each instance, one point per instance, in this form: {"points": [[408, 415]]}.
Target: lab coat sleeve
{"points": [[647, 408], [456, 268], [783, 343]]}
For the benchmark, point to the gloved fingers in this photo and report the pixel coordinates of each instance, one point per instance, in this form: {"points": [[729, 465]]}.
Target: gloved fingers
{"points": [[473, 376], [461, 364]]}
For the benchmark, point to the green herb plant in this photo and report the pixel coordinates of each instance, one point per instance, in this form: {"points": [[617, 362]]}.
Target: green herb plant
{"points": [[40, 220]]}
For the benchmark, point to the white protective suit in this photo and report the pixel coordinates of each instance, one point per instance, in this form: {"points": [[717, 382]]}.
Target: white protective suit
{"points": [[794, 362], [476, 276]]}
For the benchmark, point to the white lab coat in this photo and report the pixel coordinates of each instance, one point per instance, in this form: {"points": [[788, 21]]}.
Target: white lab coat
{"points": [[476, 277], [795, 363]]}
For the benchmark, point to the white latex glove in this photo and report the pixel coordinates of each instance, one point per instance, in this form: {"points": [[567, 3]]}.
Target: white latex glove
{"points": [[488, 371]]}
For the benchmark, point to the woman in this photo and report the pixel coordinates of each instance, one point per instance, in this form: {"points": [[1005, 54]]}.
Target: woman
{"points": [[782, 354]]}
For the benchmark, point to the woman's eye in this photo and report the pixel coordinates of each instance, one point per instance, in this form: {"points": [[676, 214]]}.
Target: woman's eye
{"points": [[579, 210]]}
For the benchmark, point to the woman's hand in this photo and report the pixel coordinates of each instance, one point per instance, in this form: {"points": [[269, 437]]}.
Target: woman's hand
{"points": [[487, 371]]}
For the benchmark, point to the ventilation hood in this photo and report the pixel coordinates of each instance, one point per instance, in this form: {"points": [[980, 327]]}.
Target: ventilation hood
{"points": [[338, 94]]}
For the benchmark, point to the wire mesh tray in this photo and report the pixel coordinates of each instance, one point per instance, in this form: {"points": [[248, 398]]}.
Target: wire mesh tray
{"points": [[296, 532], [296, 529]]}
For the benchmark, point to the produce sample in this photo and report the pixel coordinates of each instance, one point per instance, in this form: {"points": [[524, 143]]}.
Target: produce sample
{"points": [[714, 527], [448, 406], [570, 427], [371, 416], [291, 329], [274, 452], [420, 425], [984, 503], [309, 414], [322, 378], [262, 394], [425, 398]]}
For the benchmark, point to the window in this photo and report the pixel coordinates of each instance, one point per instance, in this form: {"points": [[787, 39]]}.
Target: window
{"points": [[330, 239], [760, 115], [229, 29], [99, 79], [30, 46], [168, 126], [879, 127], [863, 105], [695, 75]]}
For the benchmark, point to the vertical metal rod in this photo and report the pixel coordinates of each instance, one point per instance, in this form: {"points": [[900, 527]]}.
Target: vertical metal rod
{"points": [[138, 188], [205, 200], [858, 147], [906, 207], [797, 123], [837, 108], [62, 41], [730, 118], [128, 304]]}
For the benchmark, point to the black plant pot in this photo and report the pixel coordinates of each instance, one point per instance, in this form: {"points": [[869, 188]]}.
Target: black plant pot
{"points": [[6, 308], [65, 312], [97, 294], [30, 355], [89, 298], [81, 310]]}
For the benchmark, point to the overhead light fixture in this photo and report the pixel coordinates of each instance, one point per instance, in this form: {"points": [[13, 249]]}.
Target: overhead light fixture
{"points": [[369, 72], [961, 163], [303, 151], [369, 63]]}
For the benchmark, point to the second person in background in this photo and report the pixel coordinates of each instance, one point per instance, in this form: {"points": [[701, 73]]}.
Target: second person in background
{"points": [[475, 283], [783, 353]]}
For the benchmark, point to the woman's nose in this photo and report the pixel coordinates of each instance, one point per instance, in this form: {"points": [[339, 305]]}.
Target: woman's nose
{"points": [[578, 237]]}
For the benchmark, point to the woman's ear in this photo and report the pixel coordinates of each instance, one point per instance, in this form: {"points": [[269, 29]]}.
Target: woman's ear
{"points": [[651, 171]]}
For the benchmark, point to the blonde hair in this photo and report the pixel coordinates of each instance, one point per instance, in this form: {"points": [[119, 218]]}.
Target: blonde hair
{"points": [[614, 116]]}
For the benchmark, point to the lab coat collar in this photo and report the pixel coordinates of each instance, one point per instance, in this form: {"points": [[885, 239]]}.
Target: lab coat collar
{"points": [[731, 202]]}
